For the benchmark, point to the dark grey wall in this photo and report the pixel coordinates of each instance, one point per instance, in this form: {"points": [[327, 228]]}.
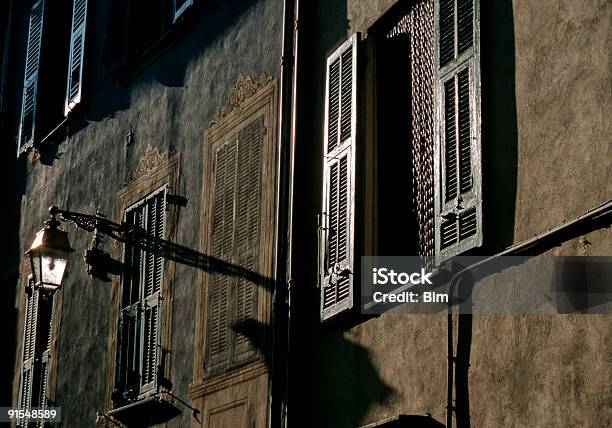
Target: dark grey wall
{"points": [[169, 104]]}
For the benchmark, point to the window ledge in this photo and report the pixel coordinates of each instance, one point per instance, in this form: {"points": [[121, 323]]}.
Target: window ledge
{"points": [[406, 421], [154, 410]]}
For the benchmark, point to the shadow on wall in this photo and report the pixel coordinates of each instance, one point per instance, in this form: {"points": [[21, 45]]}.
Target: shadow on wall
{"points": [[348, 381], [499, 123]]}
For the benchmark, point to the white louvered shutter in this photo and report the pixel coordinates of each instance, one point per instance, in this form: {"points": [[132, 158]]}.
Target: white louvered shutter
{"points": [[30, 81], [458, 138], [336, 237], [152, 279], [180, 6], [128, 337], [28, 354], [74, 86], [36, 353]]}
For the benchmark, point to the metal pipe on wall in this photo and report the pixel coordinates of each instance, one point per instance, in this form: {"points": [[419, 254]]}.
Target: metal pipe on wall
{"points": [[284, 204], [544, 241]]}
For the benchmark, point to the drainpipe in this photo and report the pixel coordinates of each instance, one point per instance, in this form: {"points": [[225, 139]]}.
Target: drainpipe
{"points": [[596, 218], [284, 206]]}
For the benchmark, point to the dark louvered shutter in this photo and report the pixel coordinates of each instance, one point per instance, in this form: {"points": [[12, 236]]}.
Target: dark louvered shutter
{"points": [[74, 85], [336, 237], [30, 81], [458, 142], [138, 349], [180, 6], [224, 183]]}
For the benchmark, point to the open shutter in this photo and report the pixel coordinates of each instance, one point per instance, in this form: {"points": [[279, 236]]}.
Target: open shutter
{"points": [[458, 190], [180, 6], [30, 80], [152, 276], [128, 336], [336, 237], [218, 324], [74, 85]]}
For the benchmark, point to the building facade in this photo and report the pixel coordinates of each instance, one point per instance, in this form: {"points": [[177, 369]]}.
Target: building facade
{"points": [[221, 168]]}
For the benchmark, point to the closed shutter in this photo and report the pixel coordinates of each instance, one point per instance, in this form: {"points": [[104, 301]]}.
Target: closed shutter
{"points": [[30, 82], [74, 85], [246, 252], [458, 139], [336, 237], [29, 342], [235, 238], [153, 270], [36, 354], [180, 6], [128, 339], [218, 334]]}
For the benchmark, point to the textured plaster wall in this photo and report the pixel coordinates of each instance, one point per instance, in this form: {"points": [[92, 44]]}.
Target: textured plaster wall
{"points": [[171, 103], [563, 87]]}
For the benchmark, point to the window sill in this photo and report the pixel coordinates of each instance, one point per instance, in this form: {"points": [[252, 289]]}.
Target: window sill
{"points": [[153, 410], [406, 421]]}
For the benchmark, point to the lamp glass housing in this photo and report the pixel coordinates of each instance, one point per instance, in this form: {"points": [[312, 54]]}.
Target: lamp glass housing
{"points": [[49, 256]]}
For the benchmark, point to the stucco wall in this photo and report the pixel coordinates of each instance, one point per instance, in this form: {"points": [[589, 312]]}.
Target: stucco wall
{"points": [[549, 106], [170, 104]]}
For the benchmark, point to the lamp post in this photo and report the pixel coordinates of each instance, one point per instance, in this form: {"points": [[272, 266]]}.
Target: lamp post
{"points": [[49, 256]]}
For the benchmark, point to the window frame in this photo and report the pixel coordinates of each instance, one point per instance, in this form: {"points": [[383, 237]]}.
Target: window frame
{"points": [[154, 169]]}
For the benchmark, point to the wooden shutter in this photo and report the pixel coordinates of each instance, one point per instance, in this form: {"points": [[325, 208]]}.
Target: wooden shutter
{"points": [[28, 353], [224, 184], [336, 237], [458, 161], [36, 353], [235, 239], [152, 277], [246, 248], [180, 6], [30, 82], [128, 336], [74, 85], [138, 350]]}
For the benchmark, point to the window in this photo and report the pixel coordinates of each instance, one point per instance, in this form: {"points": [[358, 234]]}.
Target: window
{"points": [[30, 80], [412, 166], [336, 240], [458, 146], [137, 30], [236, 225], [138, 342], [74, 84], [36, 349], [238, 230], [180, 6], [43, 99]]}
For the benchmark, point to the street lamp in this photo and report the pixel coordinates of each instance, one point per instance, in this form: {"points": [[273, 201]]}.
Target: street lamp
{"points": [[49, 255]]}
